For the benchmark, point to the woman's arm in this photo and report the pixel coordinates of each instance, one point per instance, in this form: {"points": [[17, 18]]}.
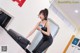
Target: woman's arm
{"points": [[31, 32]]}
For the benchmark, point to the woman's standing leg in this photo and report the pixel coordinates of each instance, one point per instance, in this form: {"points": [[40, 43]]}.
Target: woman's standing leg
{"points": [[44, 46], [39, 44]]}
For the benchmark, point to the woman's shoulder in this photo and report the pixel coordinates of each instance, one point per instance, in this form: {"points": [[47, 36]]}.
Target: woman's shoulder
{"points": [[39, 22]]}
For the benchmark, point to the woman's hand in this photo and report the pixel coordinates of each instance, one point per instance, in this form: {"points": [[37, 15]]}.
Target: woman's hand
{"points": [[27, 36], [38, 28]]}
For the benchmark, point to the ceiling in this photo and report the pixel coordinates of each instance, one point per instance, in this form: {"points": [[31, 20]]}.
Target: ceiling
{"points": [[70, 9]]}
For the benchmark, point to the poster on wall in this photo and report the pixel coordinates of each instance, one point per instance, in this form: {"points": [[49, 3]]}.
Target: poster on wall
{"points": [[20, 2]]}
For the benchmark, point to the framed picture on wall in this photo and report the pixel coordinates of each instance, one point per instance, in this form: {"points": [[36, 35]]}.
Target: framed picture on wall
{"points": [[75, 41]]}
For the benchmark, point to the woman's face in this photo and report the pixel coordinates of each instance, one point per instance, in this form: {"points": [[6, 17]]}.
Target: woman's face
{"points": [[41, 16]]}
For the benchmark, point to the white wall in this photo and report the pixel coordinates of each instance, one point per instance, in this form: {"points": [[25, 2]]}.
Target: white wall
{"points": [[78, 34], [26, 17]]}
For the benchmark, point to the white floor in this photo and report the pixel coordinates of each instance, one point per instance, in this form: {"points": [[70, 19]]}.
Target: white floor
{"points": [[6, 40]]}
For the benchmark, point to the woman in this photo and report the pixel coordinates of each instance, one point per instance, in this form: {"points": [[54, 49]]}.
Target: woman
{"points": [[43, 27]]}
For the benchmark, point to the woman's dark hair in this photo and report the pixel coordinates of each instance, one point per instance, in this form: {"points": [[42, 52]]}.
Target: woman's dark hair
{"points": [[45, 13]]}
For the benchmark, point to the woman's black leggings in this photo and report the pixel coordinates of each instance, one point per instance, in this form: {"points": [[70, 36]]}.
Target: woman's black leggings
{"points": [[42, 45]]}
